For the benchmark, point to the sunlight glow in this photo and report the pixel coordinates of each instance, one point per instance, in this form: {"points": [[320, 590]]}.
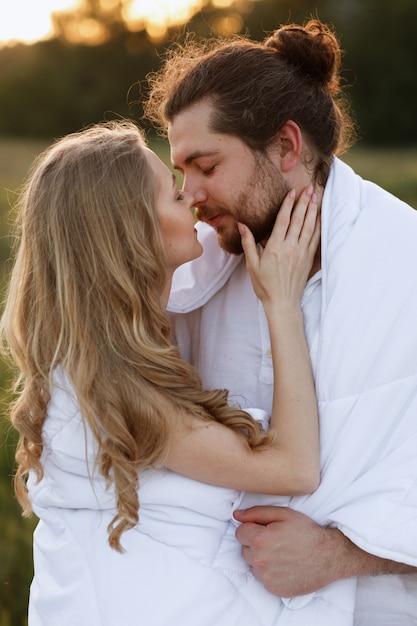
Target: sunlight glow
{"points": [[163, 11], [222, 4], [228, 25], [158, 15], [30, 20]]}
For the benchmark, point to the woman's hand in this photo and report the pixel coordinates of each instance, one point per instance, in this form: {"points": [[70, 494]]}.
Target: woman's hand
{"points": [[280, 273]]}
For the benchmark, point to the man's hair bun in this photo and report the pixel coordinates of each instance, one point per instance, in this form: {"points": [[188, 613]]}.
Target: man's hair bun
{"points": [[312, 49]]}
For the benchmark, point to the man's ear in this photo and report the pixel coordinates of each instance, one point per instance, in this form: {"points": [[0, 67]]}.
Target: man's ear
{"points": [[289, 143]]}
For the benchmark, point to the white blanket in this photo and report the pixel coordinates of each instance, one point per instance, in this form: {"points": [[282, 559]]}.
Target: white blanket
{"points": [[366, 380], [367, 371]]}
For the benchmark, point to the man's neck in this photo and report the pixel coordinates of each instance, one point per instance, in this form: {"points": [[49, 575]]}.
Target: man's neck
{"points": [[316, 263]]}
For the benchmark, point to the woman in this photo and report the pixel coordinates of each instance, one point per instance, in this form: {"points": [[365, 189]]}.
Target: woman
{"points": [[134, 469]]}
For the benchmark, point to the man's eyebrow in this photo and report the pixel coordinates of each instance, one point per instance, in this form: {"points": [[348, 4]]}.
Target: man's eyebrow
{"points": [[197, 154]]}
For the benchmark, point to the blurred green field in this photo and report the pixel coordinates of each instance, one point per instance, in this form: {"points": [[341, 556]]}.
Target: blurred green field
{"points": [[16, 533], [396, 170]]}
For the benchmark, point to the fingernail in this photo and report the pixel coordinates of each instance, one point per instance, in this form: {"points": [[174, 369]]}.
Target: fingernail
{"points": [[314, 197], [292, 193], [309, 190], [241, 228]]}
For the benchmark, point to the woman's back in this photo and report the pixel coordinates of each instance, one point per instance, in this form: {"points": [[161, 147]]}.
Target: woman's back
{"points": [[179, 566]]}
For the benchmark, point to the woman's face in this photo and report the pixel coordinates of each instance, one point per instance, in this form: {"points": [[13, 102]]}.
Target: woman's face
{"points": [[176, 219]]}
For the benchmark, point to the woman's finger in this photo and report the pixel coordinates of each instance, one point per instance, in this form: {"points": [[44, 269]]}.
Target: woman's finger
{"points": [[298, 215], [249, 246], [283, 220], [308, 227]]}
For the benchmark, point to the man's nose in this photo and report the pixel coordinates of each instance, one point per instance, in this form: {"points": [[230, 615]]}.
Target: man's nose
{"points": [[193, 188]]}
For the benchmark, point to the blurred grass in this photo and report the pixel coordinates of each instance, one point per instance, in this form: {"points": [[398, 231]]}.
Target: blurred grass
{"points": [[396, 170]]}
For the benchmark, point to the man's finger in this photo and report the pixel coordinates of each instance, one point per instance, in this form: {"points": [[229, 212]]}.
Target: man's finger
{"points": [[262, 514]]}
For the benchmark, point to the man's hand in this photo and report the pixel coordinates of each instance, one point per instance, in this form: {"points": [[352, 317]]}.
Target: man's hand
{"points": [[285, 550], [292, 555]]}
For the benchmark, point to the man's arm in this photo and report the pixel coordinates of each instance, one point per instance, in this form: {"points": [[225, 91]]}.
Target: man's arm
{"points": [[292, 555]]}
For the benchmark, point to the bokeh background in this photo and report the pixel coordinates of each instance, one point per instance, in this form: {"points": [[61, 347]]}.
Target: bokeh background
{"points": [[88, 61]]}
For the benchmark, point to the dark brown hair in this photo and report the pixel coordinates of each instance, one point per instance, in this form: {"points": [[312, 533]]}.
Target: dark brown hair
{"points": [[257, 87]]}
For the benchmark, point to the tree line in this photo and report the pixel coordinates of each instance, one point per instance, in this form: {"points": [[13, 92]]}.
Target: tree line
{"points": [[55, 86]]}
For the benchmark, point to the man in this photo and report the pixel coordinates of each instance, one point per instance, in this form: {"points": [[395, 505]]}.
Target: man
{"points": [[246, 123]]}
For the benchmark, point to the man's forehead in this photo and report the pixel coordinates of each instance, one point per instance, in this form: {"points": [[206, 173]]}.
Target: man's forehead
{"points": [[188, 144], [191, 120]]}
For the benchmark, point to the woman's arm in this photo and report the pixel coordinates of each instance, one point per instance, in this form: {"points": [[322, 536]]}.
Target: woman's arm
{"points": [[279, 278], [213, 453]]}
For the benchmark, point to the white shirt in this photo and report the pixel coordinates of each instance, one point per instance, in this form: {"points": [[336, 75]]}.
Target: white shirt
{"points": [[234, 351]]}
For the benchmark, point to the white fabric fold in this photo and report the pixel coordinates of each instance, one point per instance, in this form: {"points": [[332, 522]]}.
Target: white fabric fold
{"points": [[366, 382]]}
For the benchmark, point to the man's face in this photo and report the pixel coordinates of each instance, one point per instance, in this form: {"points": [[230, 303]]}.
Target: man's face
{"points": [[230, 182]]}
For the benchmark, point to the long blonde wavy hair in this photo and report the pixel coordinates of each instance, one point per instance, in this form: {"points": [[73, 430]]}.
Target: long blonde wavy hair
{"points": [[85, 295]]}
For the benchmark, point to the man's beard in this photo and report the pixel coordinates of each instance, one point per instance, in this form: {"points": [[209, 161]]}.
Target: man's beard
{"points": [[257, 207]]}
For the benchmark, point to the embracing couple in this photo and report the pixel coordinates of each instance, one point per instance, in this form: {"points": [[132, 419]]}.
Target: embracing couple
{"points": [[291, 498]]}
